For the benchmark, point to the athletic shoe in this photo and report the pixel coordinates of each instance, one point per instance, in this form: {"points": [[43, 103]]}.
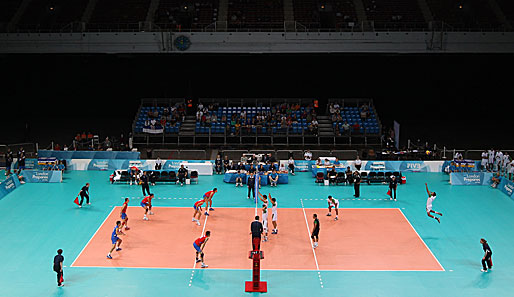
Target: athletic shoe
{"points": [[439, 221], [483, 270], [205, 265], [118, 249], [329, 214], [211, 208], [89, 204], [198, 223], [109, 257], [206, 213], [127, 228], [151, 213], [80, 206], [193, 220], [198, 260], [336, 219], [145, 218]]}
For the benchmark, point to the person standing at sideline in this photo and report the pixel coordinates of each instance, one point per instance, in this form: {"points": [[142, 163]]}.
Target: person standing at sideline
{"points": [[8, 161], [58, 260], [393, 184], [182, 174], [487, 263], [256, 231], [250, 182], [356, 184], [84, 192], [290, 164], [357, 163], [145, 186], [315, 231], [484, 161]]}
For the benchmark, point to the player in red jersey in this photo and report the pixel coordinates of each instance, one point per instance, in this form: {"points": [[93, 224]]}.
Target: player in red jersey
{"points": [[198, 210], [199, 245], [208, 198], [123, 215], [146, 203]]}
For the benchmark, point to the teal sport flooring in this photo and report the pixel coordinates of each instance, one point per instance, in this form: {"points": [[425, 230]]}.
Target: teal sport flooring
{"points": [[37, 219]]}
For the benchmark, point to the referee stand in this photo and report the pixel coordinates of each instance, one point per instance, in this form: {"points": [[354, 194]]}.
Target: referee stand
{"points": [[256, 285]]}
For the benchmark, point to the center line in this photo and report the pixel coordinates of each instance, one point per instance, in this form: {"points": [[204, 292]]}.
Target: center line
{"points": [[312, 247]]}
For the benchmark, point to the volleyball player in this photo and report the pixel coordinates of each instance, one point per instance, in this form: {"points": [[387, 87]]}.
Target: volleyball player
{"points": [[146, 203], [123, 215], [198, 210], [315, 231], [115, 239], [208, 199], [274, 215], [332, 202], [265, 220], [430, 200], [199, 245]]}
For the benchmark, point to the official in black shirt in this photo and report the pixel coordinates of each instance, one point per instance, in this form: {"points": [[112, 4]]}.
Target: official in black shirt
{"points": [[487, 262], [393, 183], [250, 182], [182, 174], [256, 230], [357, 184], [8, 161], [145, 186], [218, 164], [58, 260], [84, 193]]}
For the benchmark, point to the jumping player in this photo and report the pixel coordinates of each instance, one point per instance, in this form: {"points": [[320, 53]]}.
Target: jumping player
{"points": [[274, 215], [315, 231], [198, 210], [146, 203], [208, 199], [199, 245], [430, 200], [123, 215], [115, 239], [332, 202], [265, 220]]}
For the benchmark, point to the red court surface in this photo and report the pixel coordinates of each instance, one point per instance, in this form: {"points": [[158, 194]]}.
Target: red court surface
{"points": [[363, 239]]}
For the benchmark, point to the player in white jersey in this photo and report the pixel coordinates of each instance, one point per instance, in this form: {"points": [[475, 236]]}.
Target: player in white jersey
{"points": [[332, 202], [498, 161], [430, 200], [484, 161], [274, 215], [265, 221], [490, 159]]}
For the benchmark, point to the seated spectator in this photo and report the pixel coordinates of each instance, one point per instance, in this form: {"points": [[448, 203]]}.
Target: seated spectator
{"points": [[332, 174], [57, 147], [83, 136], [349, 175], [182, 175], [252, 168], [282, 168], [226, 163], [346, 127], [307, 155], [327, 162], [273, 178], [89, 136], [261, 168], [496, 179], [158, 164], [239, 178], [318, 162], [218, 164], [336, 162]]}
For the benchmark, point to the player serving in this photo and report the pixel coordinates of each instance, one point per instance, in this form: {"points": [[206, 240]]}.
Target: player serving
{"points": [[430, 200]]}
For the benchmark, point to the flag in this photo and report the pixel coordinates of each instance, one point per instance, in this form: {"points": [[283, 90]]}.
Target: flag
{"points": [[76, 200], [389, 192], [61, 279]]}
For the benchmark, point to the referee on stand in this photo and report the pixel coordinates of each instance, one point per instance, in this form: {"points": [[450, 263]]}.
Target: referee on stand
{"points": [[256, 231]]}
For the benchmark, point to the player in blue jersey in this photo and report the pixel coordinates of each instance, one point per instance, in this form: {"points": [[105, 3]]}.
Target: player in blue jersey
{"points": [[115, 239]]}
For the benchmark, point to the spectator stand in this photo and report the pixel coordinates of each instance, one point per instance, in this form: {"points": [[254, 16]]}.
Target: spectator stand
{"points": [[353, 117]]}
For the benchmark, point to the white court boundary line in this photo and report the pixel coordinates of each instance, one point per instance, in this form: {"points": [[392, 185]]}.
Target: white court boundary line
{"points": [[103, 222], [421, 240], [312, 247], [194, 262]]}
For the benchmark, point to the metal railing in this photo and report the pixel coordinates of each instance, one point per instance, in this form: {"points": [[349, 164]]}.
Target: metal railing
{"points": [[369, 26]]}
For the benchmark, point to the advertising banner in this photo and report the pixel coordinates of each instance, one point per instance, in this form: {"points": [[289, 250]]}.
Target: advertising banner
{"points": [[8, 185], [470, 178], [60, 155], [507, 187], [42, 176]]}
